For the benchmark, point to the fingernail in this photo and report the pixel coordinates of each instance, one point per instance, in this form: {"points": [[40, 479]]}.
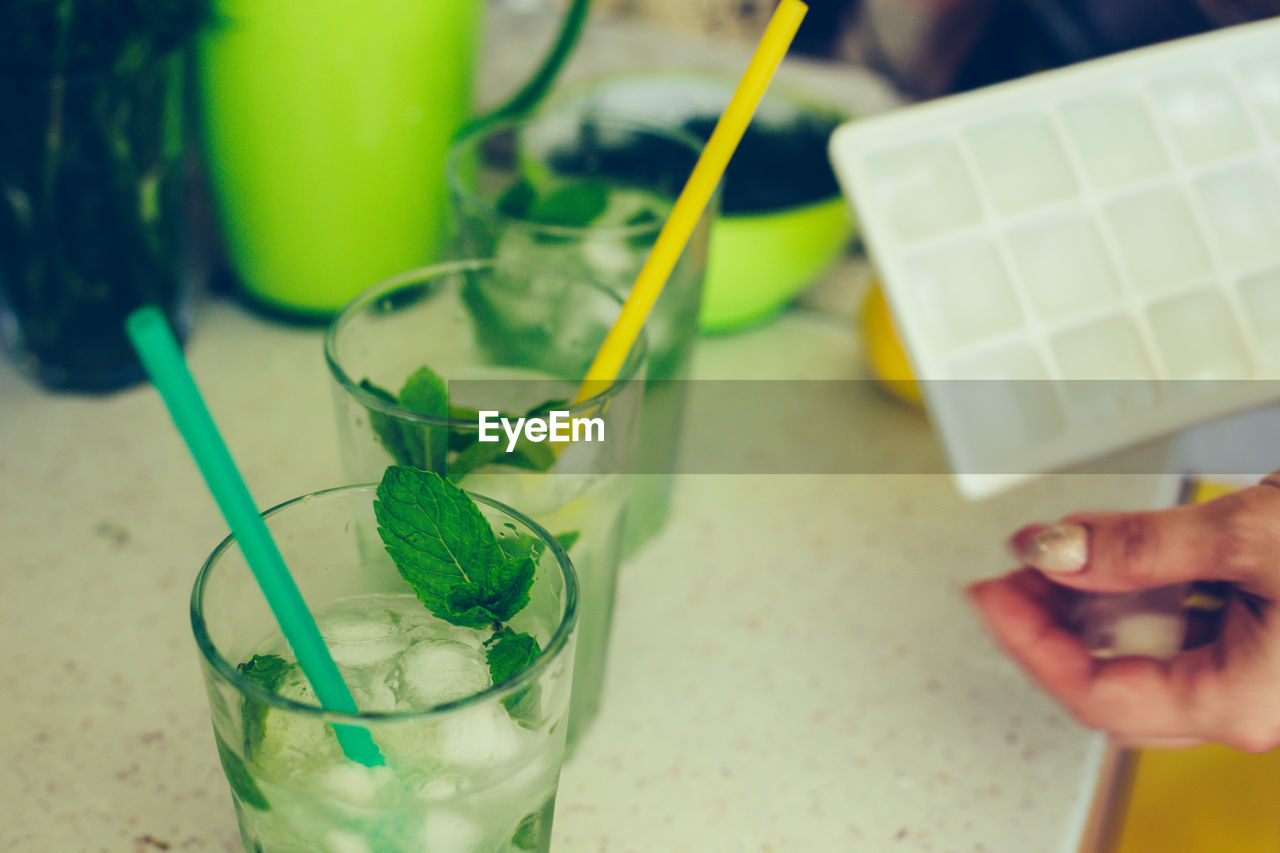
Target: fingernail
{"points": [[1057, 548]]}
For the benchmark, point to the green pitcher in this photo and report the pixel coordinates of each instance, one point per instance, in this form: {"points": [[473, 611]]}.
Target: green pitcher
{"points": [[326, 124]]}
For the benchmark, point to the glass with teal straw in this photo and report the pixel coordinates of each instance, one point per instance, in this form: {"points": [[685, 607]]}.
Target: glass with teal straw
{"points": [[441, 756]]}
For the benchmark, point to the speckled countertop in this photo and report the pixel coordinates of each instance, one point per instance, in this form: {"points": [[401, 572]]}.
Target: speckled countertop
{"points": [[793, 665]]}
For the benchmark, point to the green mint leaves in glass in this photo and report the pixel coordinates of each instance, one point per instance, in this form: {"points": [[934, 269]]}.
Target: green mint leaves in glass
{"points": [[588, 194], [418, 361]]}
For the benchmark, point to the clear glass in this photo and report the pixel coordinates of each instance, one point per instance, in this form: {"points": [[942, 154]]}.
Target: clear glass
{"points": [[463, 771], [514, 187], [505, 338]]}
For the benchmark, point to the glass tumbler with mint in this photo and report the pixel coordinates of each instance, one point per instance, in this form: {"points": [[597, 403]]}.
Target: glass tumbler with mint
{"points": [[418, 360], [461, 668], [588, 194]]}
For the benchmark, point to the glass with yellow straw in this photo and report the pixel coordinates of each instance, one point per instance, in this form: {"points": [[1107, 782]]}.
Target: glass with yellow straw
{"points": [[432, 369]]}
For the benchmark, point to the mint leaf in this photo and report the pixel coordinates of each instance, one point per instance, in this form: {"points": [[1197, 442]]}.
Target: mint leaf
{"points": [[509, 654], [642, 217], [516, 200], [525, 545], [385, 427], [531, 455], [425, 393], [506, 595], [470, 454], [575, 204], [409, 443], [529, 831], [238, 777], [444, 548], [474, 456], [269, 672], [461, 439]]}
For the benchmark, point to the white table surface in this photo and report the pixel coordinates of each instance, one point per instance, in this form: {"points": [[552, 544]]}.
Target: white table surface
{"points": [[793, 665]]}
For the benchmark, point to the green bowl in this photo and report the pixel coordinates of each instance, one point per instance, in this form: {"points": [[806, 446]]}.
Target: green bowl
{"points": [[758, 259], [758, 263]]}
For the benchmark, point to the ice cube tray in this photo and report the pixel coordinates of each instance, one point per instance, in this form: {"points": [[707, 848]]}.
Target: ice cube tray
{"points": [[1114, 220]]}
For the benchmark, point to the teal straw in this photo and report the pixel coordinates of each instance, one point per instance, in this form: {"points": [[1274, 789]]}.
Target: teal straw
{"points": [[149, 332]]}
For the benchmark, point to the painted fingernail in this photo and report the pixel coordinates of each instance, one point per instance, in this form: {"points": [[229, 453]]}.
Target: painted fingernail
{"points": [[1057, 548]]}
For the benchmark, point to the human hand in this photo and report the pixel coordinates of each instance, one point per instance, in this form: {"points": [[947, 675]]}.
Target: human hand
{"points": [[1226, 691]]}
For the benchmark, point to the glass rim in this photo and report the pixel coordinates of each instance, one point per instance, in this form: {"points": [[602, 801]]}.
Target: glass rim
{"points": [[672, 133], [415, 277], [497, 692]]}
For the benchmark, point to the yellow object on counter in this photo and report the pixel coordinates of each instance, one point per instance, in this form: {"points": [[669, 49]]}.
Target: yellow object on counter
{"points": [[888, 361], [1208, 799]]}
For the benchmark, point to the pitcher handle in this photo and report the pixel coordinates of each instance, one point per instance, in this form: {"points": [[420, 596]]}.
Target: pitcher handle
{"points": [[528, 95]]}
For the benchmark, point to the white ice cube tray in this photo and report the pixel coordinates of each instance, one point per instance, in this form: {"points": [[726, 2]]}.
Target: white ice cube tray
{"points": [[1114, 220]]}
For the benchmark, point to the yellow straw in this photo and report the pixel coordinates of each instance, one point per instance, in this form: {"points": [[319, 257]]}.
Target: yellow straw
{"points": [[693, 198]]}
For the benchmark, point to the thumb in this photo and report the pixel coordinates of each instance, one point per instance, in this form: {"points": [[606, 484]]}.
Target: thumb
{"points": [[1234, 538]]}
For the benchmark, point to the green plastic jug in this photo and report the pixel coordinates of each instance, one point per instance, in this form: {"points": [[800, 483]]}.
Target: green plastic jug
{"points": [[325, 127]]}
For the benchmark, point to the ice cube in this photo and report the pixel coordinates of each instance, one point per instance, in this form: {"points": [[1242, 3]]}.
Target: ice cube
{"points": [[450, 832], [354, 783], [371, 652], [1159, 241], [609, 258], [1115, 139], [291, 741], [924, 188], [373, 695], [1021, 162], [1242, 206], [439, 788], [337, 841], [1203, 116], [433, 672], [1262, 83], [1150, 623], [1260, 295], [962, 294], [1064, 267], [482, 736], [1198, 337]]}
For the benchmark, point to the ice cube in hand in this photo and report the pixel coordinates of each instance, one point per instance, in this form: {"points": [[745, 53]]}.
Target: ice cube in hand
{"points": [[1148, 623]]}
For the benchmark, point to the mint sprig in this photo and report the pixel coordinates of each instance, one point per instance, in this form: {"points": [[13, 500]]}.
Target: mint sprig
{"points": [[409, 443], [445, 549], [452, 453], [443, 546]]}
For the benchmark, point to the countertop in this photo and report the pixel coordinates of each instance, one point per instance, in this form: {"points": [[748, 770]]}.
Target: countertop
{"points": [[793, 666]]}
